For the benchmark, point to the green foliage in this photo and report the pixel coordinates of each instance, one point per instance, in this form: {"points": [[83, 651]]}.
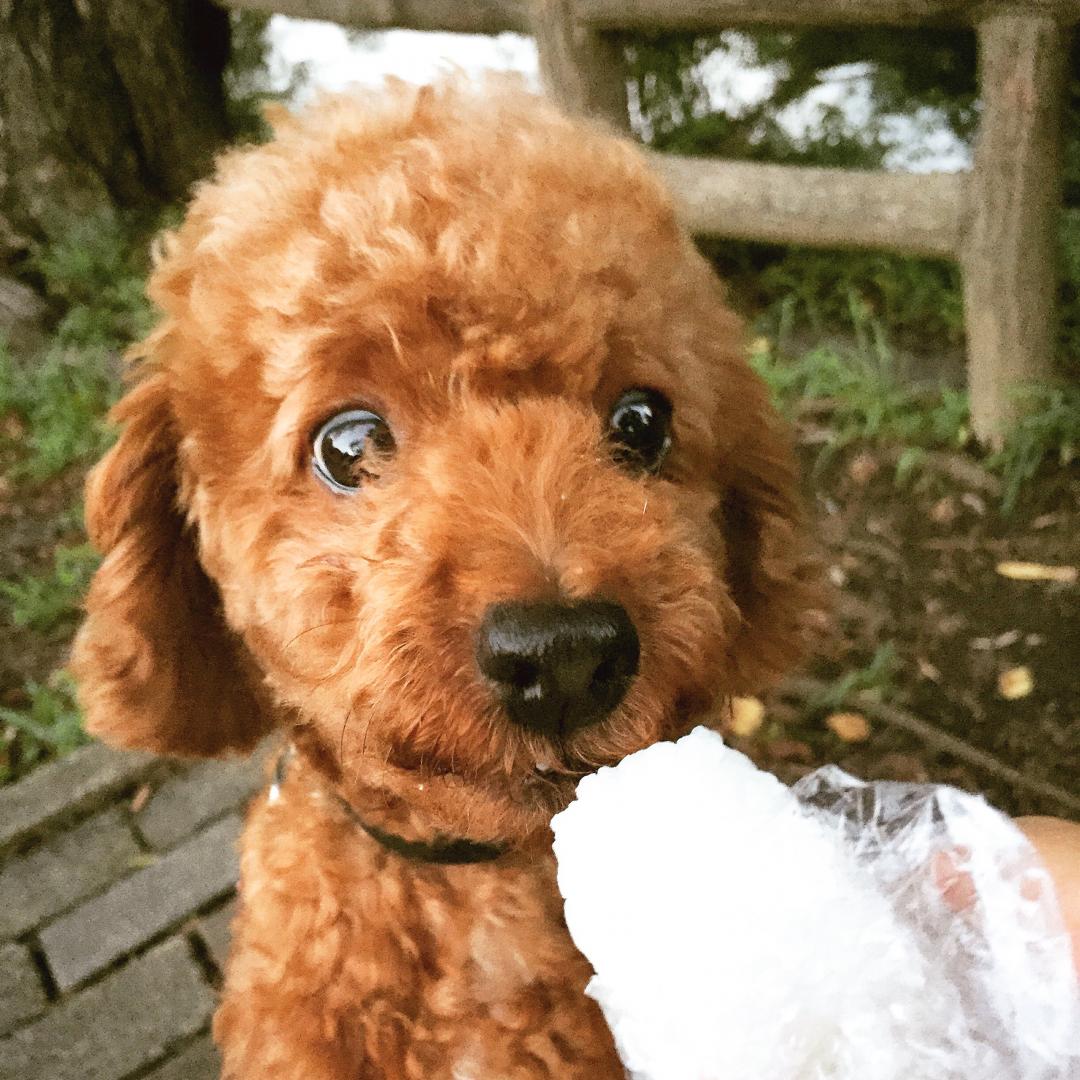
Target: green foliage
{"points": [[247, 83], [245, 76], [864, 400], [50, 602], [877, 678], [798, 290], [913, 70], [94, 269], [52, 418], [909, 74], [1049, 428], [48, 725], [59, 402]]}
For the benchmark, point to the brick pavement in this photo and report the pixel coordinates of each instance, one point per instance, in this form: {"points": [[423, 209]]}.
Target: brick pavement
{"points": [[117, 875]]}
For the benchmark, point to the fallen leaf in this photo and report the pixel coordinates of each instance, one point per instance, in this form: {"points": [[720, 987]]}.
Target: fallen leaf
{"points": [[944, 511], [1044, 521], [863, 468], [1029, 571], [928, 670], [973, 503], [849, 726], [747, 715], [1016, 683], [947, 625]]}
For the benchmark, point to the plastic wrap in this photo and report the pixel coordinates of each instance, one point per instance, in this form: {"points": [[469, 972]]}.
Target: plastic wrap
{"points": [[1001, 943], [741, 930]]}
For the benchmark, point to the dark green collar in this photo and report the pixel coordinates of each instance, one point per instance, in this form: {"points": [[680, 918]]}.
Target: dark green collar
{"points": [[441, 851]]}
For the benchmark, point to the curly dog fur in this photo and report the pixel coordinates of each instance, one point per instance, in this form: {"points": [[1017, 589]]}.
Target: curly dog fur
{"points": [[489, 277]]}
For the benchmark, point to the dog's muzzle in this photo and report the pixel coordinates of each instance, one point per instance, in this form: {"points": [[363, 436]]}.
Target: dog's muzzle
{"points": [[558, 667]]}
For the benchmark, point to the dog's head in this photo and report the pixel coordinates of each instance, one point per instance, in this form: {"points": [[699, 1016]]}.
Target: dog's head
{"points": [[446, 454]]}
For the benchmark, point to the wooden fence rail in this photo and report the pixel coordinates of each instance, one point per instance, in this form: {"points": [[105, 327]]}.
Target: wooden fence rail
{"points": [[706, 15], [999, 221]]}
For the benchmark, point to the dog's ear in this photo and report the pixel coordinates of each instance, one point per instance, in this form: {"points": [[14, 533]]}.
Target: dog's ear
{"points": [[773, 572], [157, 667]]}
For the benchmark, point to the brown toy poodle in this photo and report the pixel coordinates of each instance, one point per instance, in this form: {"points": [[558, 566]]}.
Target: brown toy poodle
{"points": [[445, 462]]}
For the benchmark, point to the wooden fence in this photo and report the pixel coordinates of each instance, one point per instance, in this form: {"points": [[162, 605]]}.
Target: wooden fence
{"points": [[998, 221]]}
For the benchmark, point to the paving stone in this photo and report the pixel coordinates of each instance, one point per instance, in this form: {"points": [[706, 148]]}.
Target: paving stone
{"points": [[64, 869], [143, 905], [199, 1061], [185, 802], [21, 994], [216, 931], [120, 1024], [66, 787]]}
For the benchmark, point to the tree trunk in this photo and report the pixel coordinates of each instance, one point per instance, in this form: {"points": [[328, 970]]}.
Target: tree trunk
{"points": [[104, 103]]}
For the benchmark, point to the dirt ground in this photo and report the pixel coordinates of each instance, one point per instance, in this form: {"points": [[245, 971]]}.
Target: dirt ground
{"points": [[914, 567], [977, 655]]}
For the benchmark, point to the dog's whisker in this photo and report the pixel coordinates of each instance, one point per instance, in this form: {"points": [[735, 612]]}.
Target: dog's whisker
{"points": [[319, 626], [344, 728]]}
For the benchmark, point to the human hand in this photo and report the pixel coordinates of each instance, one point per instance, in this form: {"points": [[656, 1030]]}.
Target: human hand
{"points": [[1058, 845]]}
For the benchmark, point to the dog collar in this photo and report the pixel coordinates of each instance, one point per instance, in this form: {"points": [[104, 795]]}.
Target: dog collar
{"points": [[441, 851]]}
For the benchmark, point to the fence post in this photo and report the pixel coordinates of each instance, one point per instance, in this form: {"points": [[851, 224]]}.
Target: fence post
{"points": [[1010, 255], [581, 70]]}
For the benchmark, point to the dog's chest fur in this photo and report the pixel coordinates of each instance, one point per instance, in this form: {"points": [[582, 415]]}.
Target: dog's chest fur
{"points": [[364, 965]]}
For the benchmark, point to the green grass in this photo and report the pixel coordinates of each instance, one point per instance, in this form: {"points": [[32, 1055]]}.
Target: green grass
{"points": [[55, 409], [52, 426], [1049, 429], [46, 722], [863, 401], [49, 602], [94, 272], [54, 404], [49, 725], [877, 677], [796, 293]]}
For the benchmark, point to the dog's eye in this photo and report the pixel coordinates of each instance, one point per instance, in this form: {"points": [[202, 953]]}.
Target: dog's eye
{"points": [[352, 448], [640, 429]]}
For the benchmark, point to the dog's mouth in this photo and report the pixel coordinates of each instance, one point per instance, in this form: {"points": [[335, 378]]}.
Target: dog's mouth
{"points": [[552, 783], [537, 784]]}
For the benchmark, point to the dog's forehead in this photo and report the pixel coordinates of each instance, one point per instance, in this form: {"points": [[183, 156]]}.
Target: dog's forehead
{"points": [[476, 300], [482, 220], [553, 308], [493, 247]]}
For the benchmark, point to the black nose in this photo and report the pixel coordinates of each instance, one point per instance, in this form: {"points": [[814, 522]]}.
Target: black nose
{"points": [[558, 667]]}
